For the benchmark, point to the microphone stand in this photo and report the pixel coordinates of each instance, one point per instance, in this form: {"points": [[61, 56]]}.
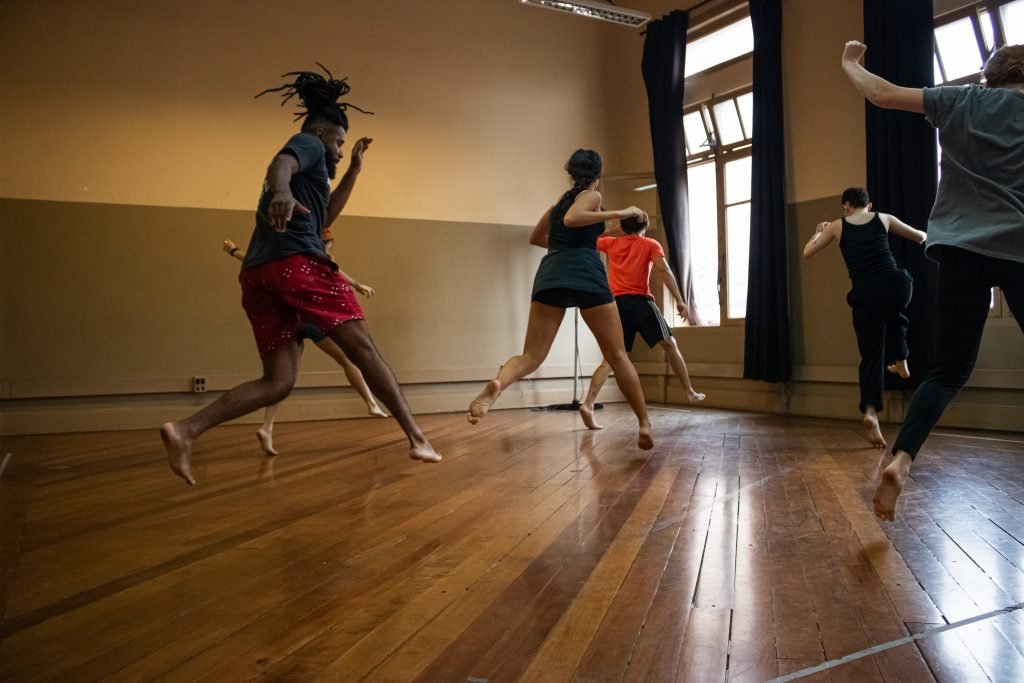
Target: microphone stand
{"points": [[577, 370]]}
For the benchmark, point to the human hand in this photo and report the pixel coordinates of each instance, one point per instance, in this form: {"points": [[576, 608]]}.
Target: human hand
{"points": [[681, 310], [282, 204], [358, 149], [229, 246], [638, 213], [853, 51], [365, 290]]}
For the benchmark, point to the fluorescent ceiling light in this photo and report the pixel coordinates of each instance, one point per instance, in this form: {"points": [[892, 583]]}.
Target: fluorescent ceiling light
{"points": [[595, 10], [645, 187]]}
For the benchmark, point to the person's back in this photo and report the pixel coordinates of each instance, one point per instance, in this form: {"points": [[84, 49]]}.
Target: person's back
{"points": [[562, 237], [629, 263], [979, 205], [865, 248]]}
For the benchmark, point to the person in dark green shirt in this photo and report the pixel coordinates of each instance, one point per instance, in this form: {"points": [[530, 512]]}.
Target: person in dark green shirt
{"points": [[975, 231]]}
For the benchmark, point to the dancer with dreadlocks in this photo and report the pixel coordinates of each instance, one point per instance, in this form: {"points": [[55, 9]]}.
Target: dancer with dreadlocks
{"points": [[288, 280], [571, 275], [265, 434]]}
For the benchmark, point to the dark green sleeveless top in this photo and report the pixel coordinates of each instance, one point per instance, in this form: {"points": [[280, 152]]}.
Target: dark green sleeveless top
{"points": [[572, 261]]}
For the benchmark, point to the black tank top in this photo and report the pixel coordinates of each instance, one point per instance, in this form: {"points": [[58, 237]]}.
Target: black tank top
{"points": [[865, 248]]}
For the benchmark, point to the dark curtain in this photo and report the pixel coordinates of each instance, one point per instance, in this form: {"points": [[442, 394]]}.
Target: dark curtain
{"points": [[766, 343], [901, 155], [662, 66]]}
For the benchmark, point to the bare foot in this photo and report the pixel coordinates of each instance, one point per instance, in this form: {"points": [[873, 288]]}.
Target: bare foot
{"points": [[644, 440], [890, 486], [481, 404], [424, 453], [694, 396], [266, 439], [872, 432], [587, 413], [374, 410], [900, 368], [179, 452]]}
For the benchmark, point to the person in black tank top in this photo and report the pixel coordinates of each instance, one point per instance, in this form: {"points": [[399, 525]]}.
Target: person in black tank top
{"points": [[878, 298], [572, 275]]}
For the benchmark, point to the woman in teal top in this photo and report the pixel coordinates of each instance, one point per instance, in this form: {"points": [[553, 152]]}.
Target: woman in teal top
{"points": [[571, 275], [975, 231]]}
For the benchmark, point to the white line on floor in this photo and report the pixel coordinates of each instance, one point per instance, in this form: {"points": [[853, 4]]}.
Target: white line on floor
{"points": [[894, 643]]}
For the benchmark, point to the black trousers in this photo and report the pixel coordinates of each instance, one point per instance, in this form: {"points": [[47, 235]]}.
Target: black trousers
{"points": [[879, 306], [963, 298]]}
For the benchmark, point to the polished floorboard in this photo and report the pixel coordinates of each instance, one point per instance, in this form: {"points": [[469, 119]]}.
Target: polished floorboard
{"points": [[742, 548]]}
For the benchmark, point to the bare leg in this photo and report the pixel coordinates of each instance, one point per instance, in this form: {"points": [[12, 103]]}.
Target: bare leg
{"points": [[675, 360], [352, 374], [540, 333], [265, 434], [604, 322], [899, 368], [871, 429], [596, 382], [354, 339], [890, 486], [279, 370]]}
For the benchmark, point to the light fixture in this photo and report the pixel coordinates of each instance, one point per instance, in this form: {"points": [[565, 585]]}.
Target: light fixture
{"points": [[595, 10], [645, 187]]}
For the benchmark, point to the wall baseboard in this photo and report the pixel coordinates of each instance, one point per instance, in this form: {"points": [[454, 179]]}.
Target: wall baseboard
{"points": [[108, 413]]}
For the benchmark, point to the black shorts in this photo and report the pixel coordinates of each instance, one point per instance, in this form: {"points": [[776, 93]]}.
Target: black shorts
{"points": [[639, 313], [563, 297]]}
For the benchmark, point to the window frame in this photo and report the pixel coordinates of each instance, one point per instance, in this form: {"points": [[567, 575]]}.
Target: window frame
{"points": [[721, 155]]}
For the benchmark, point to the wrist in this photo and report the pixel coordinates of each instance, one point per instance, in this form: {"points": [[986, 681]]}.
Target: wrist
{"points": [[233, 250]]}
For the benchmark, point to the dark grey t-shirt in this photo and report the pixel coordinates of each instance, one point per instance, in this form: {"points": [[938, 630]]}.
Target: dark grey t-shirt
{"points": [[980, 203], [311, 187]]}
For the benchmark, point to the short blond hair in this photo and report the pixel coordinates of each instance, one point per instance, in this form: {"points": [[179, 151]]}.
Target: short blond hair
{"points": [[1005, 67]]}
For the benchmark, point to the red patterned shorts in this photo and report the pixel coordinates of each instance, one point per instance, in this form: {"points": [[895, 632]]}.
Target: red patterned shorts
{"points": [[281, 295]]}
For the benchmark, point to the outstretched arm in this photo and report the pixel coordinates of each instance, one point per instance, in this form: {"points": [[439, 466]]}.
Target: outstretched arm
{"points": [[340, 195], [669, 279], [823, 236], [586, 210], [232, 250], [365, 290], [898, 227], [877, 90]]}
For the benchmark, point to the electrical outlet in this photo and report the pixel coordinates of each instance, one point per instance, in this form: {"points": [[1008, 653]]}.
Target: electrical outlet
{"points": [[198, 384]]}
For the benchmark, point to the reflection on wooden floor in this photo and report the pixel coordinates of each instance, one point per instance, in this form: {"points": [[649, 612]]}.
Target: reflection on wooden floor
{"points": [[741, 548]]}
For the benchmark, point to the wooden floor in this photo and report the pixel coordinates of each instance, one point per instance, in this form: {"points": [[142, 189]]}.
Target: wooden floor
{"points": [[742, 548]]}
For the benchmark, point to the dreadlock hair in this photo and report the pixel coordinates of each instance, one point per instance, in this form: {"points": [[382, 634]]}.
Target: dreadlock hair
{"points": [[1005, 67], [318, 97], [584, 167]]}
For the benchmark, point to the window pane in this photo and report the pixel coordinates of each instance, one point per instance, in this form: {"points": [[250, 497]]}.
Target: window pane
{"points": [[696, 136], [746, 103], [703, 193], [958, 49], [729, 130], [737, 180], [737, 235], [1012, 15], [721, 46], [987, 31]]}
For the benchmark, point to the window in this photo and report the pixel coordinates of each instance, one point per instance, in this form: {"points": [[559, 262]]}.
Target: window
{"points": [[730, 42], [718, 145], [964, 40]]}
